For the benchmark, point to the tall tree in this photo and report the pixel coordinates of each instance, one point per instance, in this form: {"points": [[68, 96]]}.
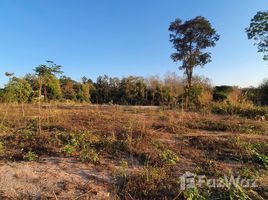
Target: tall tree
{"points": [[258, 30], [189, 39], [42, 71]]}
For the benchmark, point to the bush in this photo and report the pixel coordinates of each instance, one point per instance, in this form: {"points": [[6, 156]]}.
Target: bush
{"points": [[30, 156], [89, 155], [221, 93], [239, 109], [169, 157], [2, 148]]}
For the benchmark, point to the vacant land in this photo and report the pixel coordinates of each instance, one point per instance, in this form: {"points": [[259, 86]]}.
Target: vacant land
{"points": [[110, 152]]}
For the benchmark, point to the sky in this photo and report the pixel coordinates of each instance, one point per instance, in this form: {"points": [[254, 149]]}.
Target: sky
{"points": [[125, 37]]}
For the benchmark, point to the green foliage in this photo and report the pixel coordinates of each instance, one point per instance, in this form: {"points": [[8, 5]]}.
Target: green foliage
{"points": [[220, 93], [17, 90], [83, 92], [122, 170], [28, 132], [50, 69], [169, 157], [2, 148], [190, 38], [260, 158], [257, 152], [235, 191], [30, 156], [258, 30], [69, 149], [88, 154], [193, 194], [67, 88], [237, 109], [193, 95], [263, 93], [51, 88]]}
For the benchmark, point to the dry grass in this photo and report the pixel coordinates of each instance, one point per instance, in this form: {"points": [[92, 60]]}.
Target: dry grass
{"points": [[124, 152]]}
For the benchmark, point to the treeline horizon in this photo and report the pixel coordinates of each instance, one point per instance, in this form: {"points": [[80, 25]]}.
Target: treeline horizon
{"points": [[129, 90], [190, 39]]}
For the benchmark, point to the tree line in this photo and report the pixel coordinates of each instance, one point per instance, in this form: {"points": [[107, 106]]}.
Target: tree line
{"points": [[190, 39], [48, 84]]}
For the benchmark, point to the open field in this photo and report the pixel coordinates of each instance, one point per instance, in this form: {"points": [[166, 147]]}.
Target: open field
{"points": [[127, 153]]}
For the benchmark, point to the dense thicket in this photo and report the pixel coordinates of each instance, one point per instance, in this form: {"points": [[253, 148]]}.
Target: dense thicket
{"points": [[131, 90]]}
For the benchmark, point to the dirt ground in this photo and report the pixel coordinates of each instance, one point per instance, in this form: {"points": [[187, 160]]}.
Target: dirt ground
{"points": [[204, 143]]}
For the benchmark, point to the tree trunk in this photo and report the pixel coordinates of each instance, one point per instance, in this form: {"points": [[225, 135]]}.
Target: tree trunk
{"points": [[39, 105]]}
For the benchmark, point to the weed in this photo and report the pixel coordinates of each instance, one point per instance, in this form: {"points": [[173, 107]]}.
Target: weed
{"points": [[169, 157], [30, 156], [239, 109], [193, 194], [68, 149], [89, 155], [2, 148], [260, 158], [236, 191]]}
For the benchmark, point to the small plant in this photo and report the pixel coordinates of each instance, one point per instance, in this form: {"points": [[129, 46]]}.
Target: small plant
{"points": [[236, 191], [123, 168], [30, 156], [193, 194], [260, 158], [2, 148], [255, 151], [169, 157], [248, 173], [89, 155], [68, 149]]}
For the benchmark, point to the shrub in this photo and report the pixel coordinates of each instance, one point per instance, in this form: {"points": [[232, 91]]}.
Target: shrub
{"points": [[2, 148], [89, 155], [220, 93], [239, 109], [169, 157], [68, 149], [260, 158], [30, 156]]}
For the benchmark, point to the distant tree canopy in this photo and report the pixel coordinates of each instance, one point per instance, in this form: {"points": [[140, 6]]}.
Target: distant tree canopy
{"points": [[263, 92], [131, 90], [258, 30], [48, 84], [18, 90], [189, 39], [221, 93]]}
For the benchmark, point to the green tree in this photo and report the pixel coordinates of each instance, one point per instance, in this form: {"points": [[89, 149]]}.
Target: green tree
{"points": [[21, 90], [46, 72], [189, 39], [102, 90], [42, 71], [67, 88], [258, 30], [18, 90], [51, 88], [83, 91], [263, 90], [132, 90]]}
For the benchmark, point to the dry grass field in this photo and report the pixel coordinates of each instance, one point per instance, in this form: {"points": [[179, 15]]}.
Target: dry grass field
{"points": [[127, 153]]}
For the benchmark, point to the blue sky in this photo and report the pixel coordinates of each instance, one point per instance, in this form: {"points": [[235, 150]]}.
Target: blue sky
{"points": [[125, 37]]}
